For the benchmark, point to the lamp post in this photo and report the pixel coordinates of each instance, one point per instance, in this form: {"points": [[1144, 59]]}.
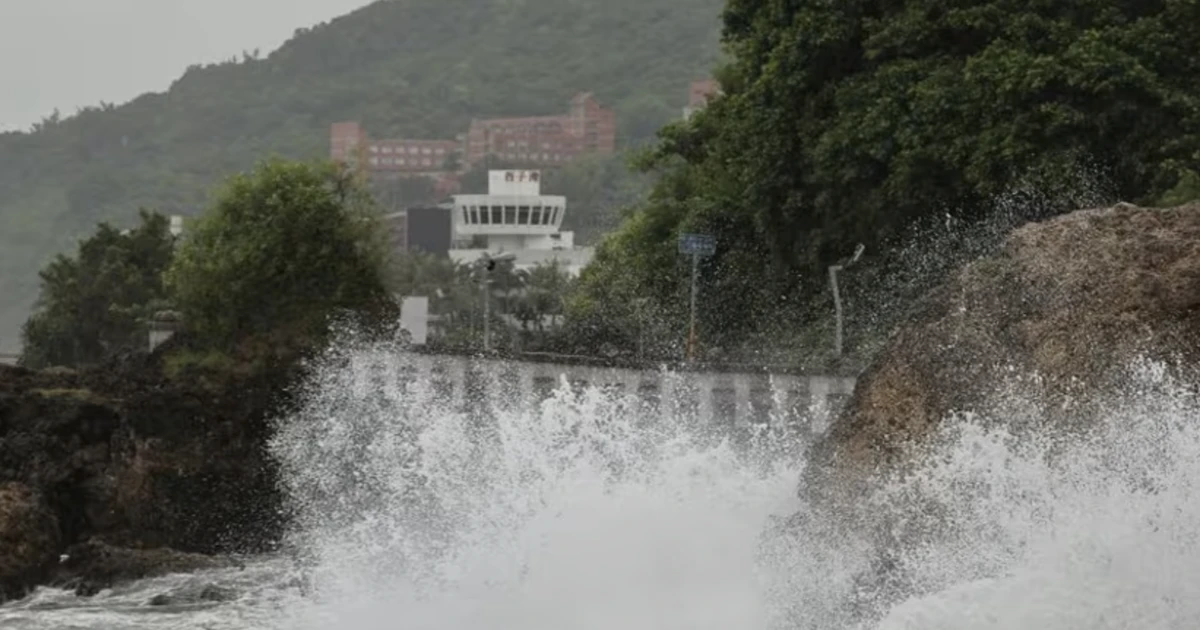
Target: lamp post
{"points": [[837, 298], [487, 263]]}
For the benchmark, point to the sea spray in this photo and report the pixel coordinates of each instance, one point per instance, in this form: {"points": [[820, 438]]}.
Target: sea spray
{"points": [[1093, 527], [574, 512], [581, 513]]}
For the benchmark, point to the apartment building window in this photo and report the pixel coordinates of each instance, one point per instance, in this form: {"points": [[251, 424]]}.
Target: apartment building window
{"points": [[374, 149], [387, 149], [374, 161]]}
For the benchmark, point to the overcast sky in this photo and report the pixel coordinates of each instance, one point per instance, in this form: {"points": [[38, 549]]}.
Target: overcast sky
{"points": [[72, 53]]}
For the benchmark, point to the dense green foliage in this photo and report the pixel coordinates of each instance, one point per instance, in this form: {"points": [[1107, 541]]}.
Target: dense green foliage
{"points": [[852, 122], [283, 252], [418, 68], [98, 302], [526, 309]]}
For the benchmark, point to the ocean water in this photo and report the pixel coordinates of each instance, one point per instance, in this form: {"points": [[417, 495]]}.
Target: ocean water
{"points": [[582, 513]]}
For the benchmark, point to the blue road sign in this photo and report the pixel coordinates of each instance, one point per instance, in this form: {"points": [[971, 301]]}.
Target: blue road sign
{"points": [[697, 244]]}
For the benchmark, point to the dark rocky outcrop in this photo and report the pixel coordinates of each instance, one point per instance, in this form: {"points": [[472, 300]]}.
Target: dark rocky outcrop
{"points": [[29, 538], [93, 565], [1071, 300], [134, 466], [1057, 315]]}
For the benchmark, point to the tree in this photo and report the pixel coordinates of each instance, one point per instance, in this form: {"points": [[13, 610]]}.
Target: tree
{"points": [[852, 122], [545, 289], [99, 301], [283, 250]]}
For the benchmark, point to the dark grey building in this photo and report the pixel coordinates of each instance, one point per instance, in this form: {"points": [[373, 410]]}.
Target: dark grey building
{"points": [[427, 228]]}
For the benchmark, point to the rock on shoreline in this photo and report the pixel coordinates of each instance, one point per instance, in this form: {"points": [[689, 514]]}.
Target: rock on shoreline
{"points": [[128, 474], [1073, 300]]}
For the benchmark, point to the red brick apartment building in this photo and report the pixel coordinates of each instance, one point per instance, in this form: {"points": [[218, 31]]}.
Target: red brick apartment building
{"points": [[532, 142]]}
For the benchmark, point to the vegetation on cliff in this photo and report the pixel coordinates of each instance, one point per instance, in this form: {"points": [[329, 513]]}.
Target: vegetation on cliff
{"points": [[414, 68], [99, 301], [853, 122]]}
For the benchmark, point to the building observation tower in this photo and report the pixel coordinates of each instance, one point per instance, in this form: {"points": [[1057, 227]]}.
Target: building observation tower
{"points": [[515, 219]]}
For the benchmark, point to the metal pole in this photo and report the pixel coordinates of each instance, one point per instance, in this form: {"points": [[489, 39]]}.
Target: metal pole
{"points": [[487, 309], [641, 336], [692, 328], [837, 307]]}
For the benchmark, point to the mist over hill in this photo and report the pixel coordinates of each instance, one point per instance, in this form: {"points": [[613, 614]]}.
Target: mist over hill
{"points": [[415, 68]]}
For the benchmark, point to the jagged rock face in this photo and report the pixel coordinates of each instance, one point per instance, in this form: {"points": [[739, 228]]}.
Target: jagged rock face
{"points": [[1073, 300], [130, 459], [29, 540]]}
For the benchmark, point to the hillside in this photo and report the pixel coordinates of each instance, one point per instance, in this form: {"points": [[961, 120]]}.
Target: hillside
{"points": [[416, 68]]}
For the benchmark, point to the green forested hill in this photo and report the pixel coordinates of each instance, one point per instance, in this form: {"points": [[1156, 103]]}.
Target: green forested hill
{"points": [[418, 68]]}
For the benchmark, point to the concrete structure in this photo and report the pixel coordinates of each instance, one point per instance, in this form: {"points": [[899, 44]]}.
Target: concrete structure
{"points": [[730, 399], [515, 218], [528, 142], [429, 229], [9, 359], [699, 94], [414, 318], [162, 326]]}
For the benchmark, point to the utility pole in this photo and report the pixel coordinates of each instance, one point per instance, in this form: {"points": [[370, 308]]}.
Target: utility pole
{"points": [[837, 299], [487, 263], [484, 277], [695, 245]]}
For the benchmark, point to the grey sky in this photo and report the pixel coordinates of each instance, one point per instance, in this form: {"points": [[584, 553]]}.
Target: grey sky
{"points": [[72, 53]]}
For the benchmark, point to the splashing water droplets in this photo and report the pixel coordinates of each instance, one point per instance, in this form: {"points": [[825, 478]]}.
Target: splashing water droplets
{"points": [[577, 513]]}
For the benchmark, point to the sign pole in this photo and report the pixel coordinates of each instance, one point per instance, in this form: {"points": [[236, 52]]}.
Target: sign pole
{"points": [[696, 246], [692, 326]]}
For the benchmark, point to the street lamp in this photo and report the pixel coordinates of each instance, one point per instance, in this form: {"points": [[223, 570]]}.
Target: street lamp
{"points": [[837, 297], [487, 264]]}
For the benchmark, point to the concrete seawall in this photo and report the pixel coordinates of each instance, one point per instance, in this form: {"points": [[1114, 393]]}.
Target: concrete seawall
{"points": [[733, 399]]}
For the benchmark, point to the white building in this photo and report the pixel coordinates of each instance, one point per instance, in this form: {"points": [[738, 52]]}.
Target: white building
{"points": [[515, 218]]}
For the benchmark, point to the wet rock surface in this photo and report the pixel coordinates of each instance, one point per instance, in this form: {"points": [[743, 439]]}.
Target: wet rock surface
{"points": [[93, 565], [1065, 305], [28, 539], [124, 461]]}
